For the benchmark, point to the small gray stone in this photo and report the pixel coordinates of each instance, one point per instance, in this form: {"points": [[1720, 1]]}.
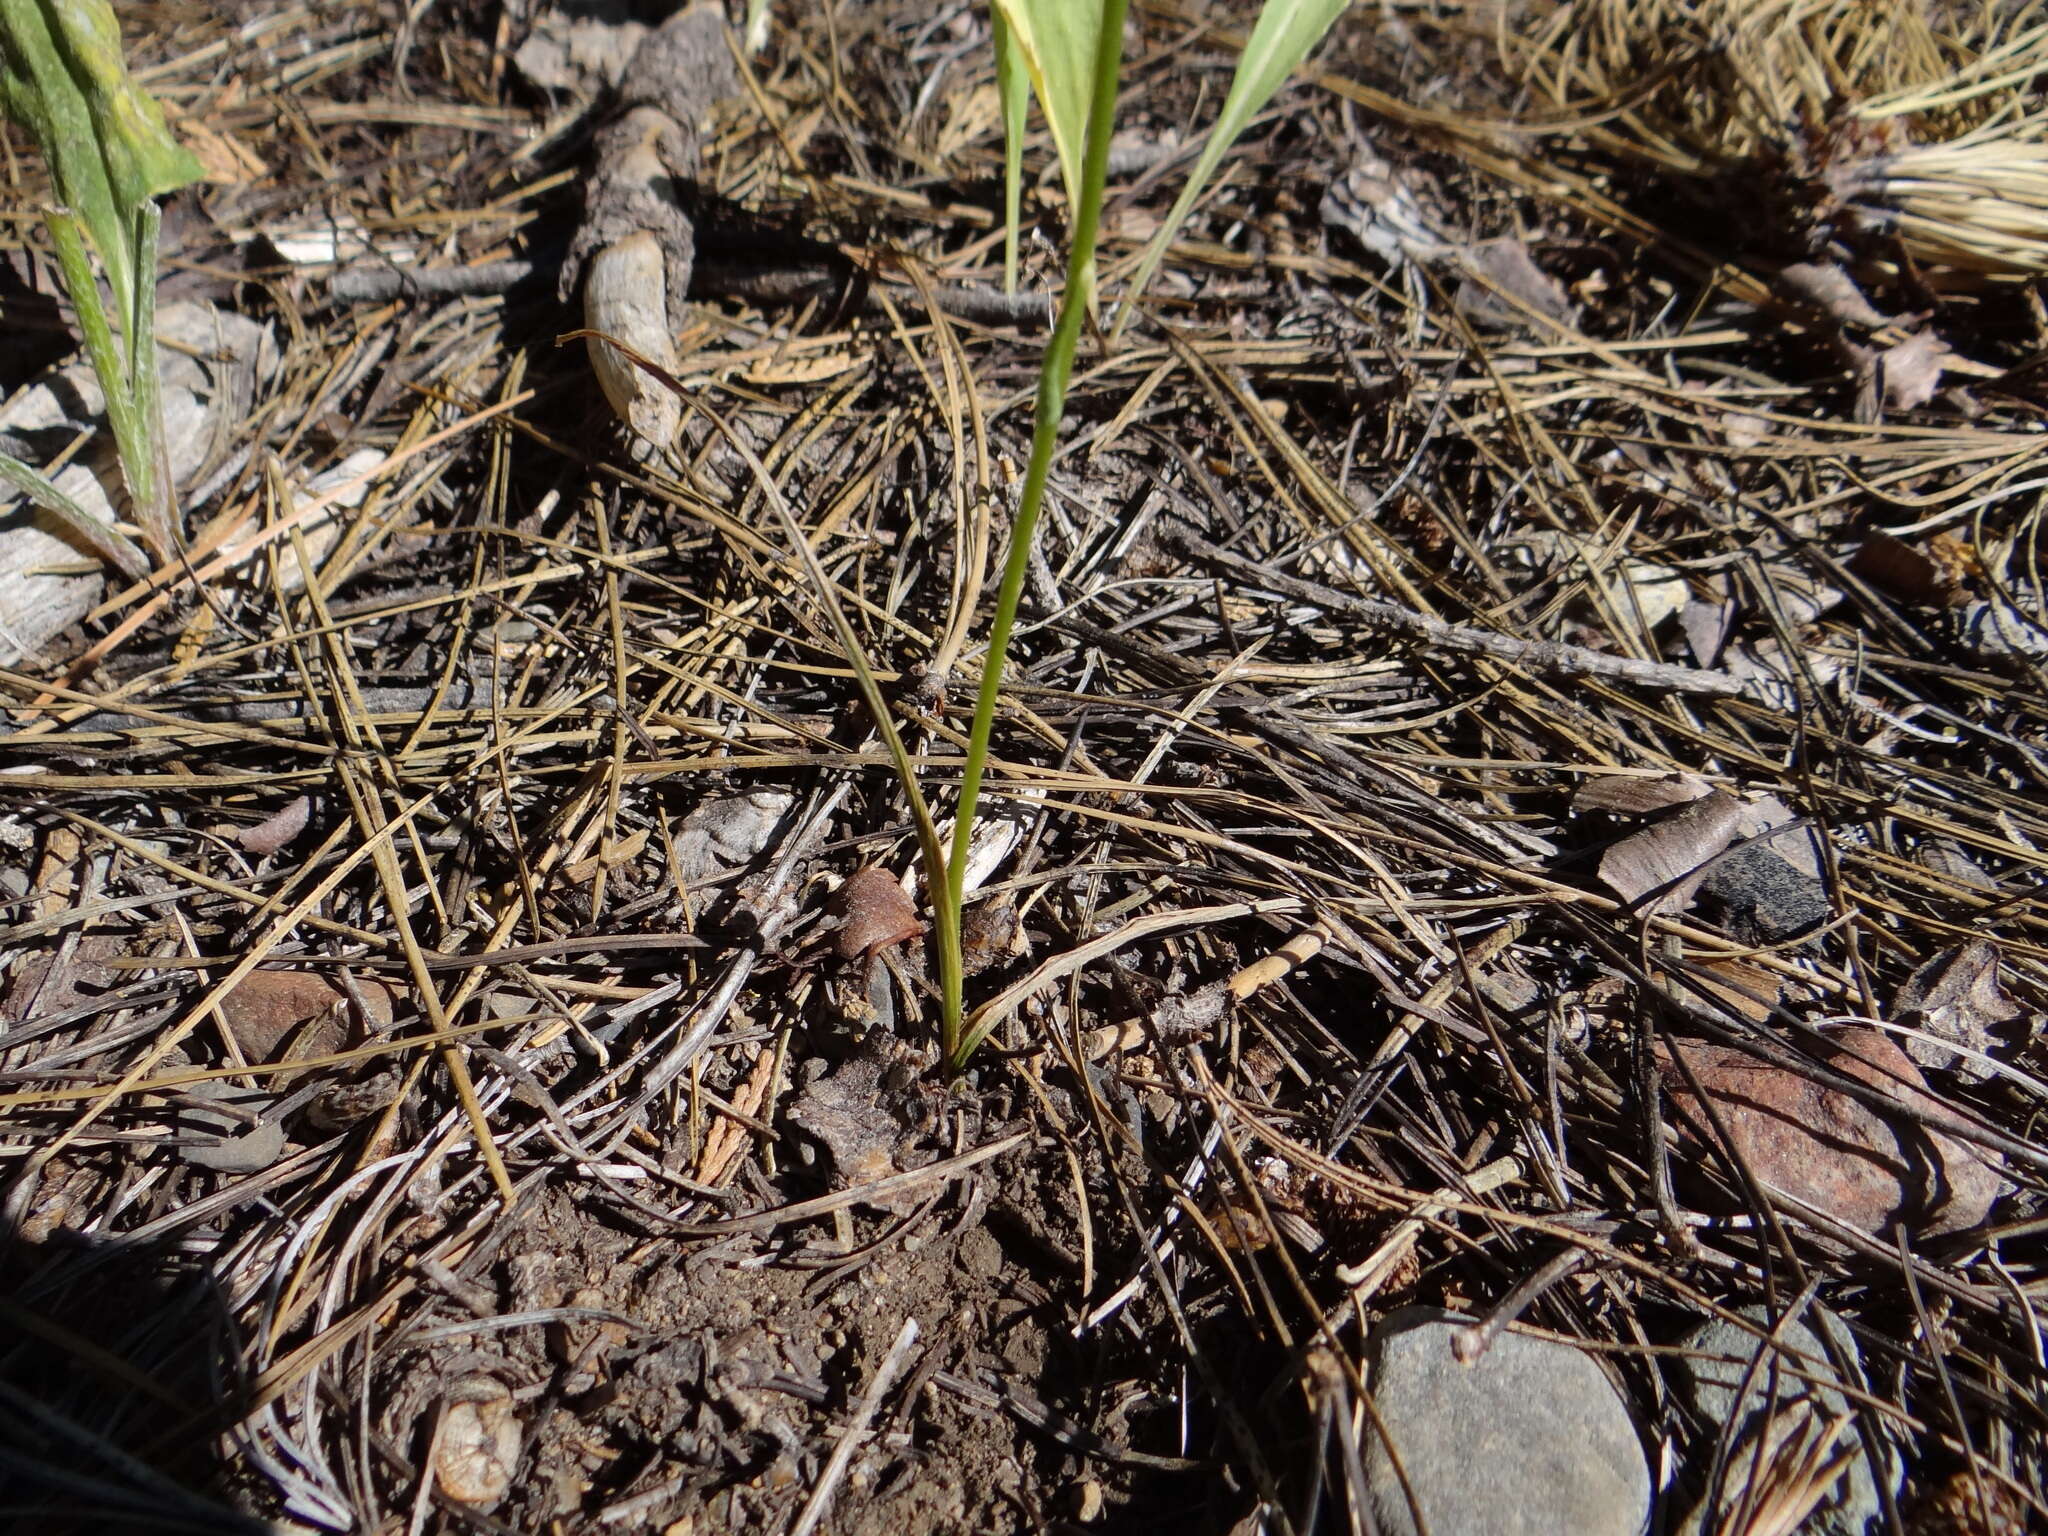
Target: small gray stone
{"points": [[1716, 1369], [226, 1141], [1530, 1438]]}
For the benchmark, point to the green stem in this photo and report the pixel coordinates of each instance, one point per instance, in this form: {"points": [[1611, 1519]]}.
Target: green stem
{"points": [[945, 917], [132, 437], [1053, 376], [155, 500]]}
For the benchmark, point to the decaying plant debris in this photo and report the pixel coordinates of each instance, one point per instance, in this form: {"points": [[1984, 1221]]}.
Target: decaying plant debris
{"points": [[1515, 741]]}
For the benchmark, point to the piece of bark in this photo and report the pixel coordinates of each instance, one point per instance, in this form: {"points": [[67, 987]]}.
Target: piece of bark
{"points": [[646, 154], [1666, 855]]}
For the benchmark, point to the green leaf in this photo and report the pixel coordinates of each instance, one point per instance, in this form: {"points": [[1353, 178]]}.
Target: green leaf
{"points": [[62, 77], [1013, 85], [1286, 31], [1055, 42], [1053, 375], [42, 491], [143, 159], [133, 408]]}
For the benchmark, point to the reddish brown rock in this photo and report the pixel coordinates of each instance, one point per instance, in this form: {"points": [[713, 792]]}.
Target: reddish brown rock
{"points": [[274, 1012], [1875, 1172]]}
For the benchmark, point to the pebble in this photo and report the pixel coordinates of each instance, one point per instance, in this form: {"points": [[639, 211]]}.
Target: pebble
{"points": [[1871, 1171], [1712, 1375], [1530, 1438]]}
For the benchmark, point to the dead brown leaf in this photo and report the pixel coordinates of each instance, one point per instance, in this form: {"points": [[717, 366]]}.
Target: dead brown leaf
{"points": [[1957, 996], [1933, 574], [269, 1011], [873, 914], [1825, 286], [275, 831], [1631, 795]]}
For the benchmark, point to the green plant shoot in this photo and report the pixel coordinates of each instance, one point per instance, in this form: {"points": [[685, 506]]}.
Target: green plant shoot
{"points": [[1069, 52], [1013, 87], [1285, 32], [110, 156], [1033, 24]]}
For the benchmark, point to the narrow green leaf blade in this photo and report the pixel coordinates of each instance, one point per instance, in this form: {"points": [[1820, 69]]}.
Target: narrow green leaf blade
{"points": [[1286, 31], [1055, 39], [1013, 86], [106, 541]]}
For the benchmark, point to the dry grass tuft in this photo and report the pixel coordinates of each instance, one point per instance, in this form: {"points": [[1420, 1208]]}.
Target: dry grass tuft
{"points": [[1867, 122]]}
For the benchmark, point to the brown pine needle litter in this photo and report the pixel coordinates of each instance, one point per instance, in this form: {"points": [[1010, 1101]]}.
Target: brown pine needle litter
{"points": [[1388, 609], [1859, 120]]}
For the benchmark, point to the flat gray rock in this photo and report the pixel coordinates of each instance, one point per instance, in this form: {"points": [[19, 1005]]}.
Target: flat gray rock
{"points": [[1715, 1371], [1530, 1439]]}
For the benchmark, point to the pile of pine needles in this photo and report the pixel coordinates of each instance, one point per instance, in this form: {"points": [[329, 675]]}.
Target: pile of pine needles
{"points": [[1348, 590]]}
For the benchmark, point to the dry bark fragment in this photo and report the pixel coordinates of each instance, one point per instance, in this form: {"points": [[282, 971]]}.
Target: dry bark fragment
{"points": [[1667, 855]]}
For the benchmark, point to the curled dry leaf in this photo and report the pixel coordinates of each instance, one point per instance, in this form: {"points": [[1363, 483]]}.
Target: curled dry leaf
{"points": [[1875, 1172], [1503, 278], [1956, 996], [1825, 286], [479, 1449], [1629, 795], [271, 1011], [275, 831], [1910, 373], [873, 914], [1932, 574]]}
